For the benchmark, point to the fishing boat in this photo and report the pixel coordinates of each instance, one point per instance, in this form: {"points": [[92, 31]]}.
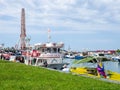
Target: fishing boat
{"points": [[49, 55], [70, 56]]}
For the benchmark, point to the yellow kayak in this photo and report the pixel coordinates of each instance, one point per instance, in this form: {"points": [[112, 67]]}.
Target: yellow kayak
{"points": [[79, 70], [93, 72], [114, 76]]}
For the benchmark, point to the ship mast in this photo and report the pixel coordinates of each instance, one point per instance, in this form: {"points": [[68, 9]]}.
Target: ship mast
{"points": [[23, 31], [49, 37]]}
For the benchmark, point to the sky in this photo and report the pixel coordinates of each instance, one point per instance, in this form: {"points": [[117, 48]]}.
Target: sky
{"points": [[79, 24]]}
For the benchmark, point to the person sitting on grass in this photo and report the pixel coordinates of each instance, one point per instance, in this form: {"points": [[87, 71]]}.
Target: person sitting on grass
{"points": [[100, 69]]}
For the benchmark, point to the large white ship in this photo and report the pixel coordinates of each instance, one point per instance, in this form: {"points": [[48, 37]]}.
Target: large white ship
{"points": [[48, 55]]}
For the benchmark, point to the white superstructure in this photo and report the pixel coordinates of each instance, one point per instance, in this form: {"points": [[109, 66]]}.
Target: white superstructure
{"points": [[48, 53]]}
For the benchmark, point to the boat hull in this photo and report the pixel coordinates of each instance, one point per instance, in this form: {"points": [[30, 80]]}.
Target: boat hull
{"points": [[58, 66]]}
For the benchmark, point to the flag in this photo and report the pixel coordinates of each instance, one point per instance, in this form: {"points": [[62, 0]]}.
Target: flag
{"points": [[49, 30]]}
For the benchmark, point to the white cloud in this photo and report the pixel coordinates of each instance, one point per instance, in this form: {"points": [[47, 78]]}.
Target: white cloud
{"points": [[94, 15]]}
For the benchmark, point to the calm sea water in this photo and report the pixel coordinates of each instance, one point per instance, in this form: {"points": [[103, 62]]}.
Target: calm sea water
{"points": [[108, 65]]}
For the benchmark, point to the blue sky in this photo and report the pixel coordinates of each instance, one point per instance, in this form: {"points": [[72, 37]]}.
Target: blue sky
{"points": [[80, 24]]}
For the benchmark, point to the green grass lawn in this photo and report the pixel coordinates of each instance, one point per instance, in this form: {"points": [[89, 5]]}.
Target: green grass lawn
{"points": [[17, 76]]}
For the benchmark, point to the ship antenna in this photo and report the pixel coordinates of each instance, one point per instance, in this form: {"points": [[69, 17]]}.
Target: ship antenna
{"points": [[49, 37]]}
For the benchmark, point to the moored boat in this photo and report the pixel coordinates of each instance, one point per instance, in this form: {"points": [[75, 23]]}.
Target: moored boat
{"points": [[49, 55], [116, 58]]}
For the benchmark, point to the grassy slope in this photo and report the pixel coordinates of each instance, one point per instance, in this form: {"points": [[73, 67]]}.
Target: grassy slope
{"points": [[16, 76]]}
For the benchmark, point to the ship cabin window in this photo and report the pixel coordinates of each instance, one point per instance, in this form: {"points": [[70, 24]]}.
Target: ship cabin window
{"points": [[54, 50], [101, 54], [43, 50], [58, 49], [49, 50], [40, 60]]}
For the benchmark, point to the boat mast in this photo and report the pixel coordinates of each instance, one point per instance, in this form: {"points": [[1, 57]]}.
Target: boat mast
{"points": [[49, 37]]}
